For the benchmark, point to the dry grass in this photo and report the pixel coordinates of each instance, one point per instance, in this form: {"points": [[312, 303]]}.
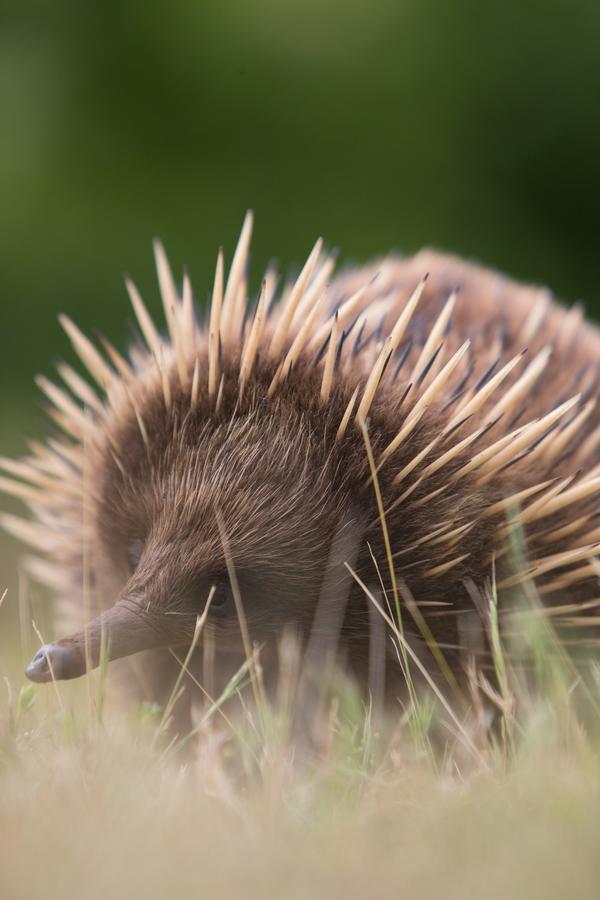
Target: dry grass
{"points": [[308, 793], [96, 802]]}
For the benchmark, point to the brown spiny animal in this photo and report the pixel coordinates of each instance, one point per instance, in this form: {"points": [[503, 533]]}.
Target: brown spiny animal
{"points": [[238, 460]]}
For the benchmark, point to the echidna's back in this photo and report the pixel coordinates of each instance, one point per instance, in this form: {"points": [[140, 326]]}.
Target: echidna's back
{"points": [[500, 317]]}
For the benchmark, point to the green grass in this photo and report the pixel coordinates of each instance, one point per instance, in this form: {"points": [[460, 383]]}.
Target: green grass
{"points": [[98, 801]]}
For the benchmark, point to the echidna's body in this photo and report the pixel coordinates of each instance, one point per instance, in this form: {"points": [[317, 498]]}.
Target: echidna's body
{"points": [[239, 447]]}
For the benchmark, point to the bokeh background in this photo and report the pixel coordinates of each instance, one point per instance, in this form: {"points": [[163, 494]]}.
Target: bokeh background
{"points": [[467, 124]]}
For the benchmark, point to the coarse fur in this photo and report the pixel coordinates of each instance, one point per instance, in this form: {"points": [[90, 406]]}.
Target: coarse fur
{"points": [[236, 448]]}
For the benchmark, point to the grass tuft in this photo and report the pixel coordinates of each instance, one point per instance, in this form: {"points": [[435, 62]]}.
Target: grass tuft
{"points": [[486, 790]]}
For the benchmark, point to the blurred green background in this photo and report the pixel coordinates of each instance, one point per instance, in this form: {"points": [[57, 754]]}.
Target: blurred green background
{"points": [[377, 123], [466, 124]]}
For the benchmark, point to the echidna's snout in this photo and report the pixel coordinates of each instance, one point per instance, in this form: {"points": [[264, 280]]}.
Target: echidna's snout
{"points": [[124, 629], [57, 661]]}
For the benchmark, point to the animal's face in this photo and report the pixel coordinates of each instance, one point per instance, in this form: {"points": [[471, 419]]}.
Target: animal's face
{"points": [[248, 498], [235, 512]]}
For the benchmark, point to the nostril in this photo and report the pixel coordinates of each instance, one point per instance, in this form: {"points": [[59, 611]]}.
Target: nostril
{"points": [[52, 661], [39, 668]]}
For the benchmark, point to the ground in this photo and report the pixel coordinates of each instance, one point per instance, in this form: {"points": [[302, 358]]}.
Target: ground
{"points": [[98, 801]]}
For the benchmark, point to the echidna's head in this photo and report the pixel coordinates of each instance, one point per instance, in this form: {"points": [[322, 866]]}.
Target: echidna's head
{"points": [[203, 506]]}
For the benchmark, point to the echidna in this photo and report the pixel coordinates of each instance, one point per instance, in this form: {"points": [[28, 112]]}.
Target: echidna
{"points": [[281, 454]]}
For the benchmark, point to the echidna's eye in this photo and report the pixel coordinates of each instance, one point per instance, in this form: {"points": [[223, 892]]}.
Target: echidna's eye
{"points": [[134, 552], [222, 597], [216, 588]]}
